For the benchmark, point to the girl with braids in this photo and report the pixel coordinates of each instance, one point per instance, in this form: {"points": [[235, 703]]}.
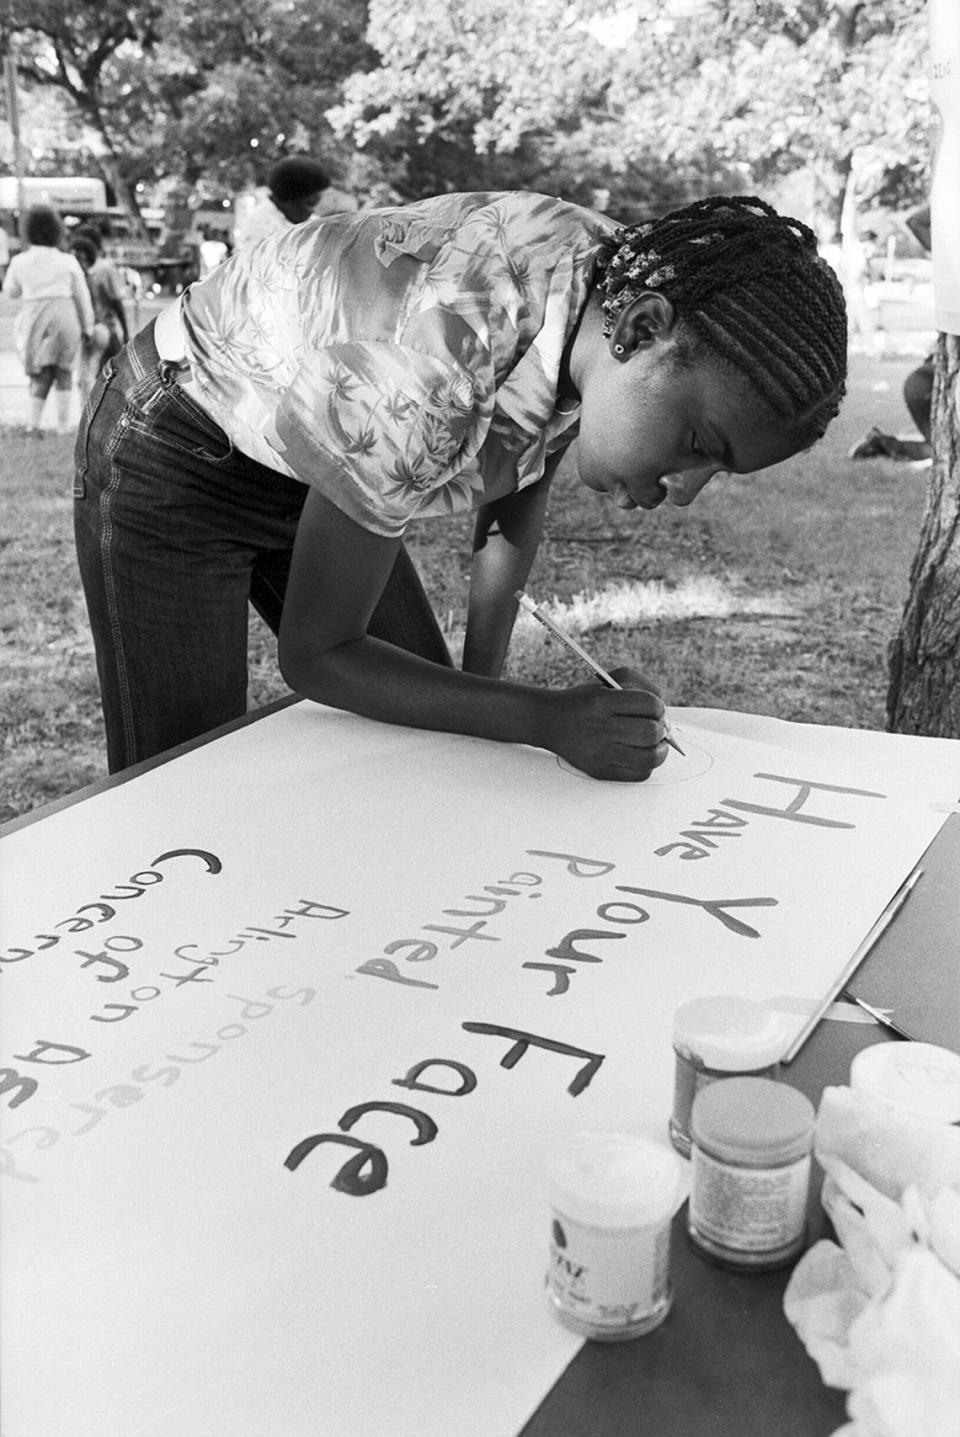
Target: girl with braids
{"points": [[275, 432]]}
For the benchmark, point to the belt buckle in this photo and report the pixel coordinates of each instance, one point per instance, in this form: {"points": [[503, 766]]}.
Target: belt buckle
{"points": [[173, 371]]}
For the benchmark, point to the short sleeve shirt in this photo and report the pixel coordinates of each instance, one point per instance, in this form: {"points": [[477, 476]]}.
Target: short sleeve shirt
{"points": [[257, 217], [105, 292], [398, 360]]}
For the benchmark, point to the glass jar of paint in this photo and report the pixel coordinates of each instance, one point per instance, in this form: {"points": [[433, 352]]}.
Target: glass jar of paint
{"points": [[720, 1037], [613, 1196], [750, 1173]]}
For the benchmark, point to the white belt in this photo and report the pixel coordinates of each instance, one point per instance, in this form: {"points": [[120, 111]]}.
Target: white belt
{"points": [[168, 334]]}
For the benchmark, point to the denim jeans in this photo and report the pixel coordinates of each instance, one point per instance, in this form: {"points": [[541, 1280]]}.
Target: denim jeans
{"points": [[176, 531]]}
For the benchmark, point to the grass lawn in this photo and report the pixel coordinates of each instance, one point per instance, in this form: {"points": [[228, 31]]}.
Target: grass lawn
{"points": [[776, 594]]}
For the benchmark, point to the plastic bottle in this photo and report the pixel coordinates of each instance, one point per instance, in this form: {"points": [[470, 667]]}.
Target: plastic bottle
{"points": [[613, 1199], [720, 1037], [915, 1077], [752, 1139]]}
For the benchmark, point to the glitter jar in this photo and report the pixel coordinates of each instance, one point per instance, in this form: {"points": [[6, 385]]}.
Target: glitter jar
{"points": [[750, 1174], [915, 1077], [719, 1038], [613, 1197]]}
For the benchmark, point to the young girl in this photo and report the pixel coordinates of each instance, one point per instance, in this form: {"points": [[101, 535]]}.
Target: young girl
{"points": [[55, 313], [110, 331], [274, 434]]}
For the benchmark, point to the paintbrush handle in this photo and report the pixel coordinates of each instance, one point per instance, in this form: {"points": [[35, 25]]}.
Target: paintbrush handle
{"points": [[554, 628], [879, 928]]}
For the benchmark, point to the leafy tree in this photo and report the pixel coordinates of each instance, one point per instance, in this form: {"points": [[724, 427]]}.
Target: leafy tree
{"points": [[834, 87], [268, 71], [716, 94], [474, 94], [485, 68], [190, 91], [56, 142], [85, 52]]}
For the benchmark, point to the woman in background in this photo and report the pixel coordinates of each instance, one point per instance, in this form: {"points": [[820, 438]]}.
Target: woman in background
{"points": [[55, 313]]}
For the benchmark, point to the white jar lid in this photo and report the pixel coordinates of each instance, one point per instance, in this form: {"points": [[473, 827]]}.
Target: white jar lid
{"points": [[919, 1077], [614, 1180], [729, 1033]]}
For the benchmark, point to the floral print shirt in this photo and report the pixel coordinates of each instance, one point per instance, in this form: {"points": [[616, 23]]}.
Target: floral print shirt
{"points": [[399, 360]]}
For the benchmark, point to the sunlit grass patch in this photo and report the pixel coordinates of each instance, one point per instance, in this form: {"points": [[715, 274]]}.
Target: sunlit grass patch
{"points": [[628, 605], [631, 605]]}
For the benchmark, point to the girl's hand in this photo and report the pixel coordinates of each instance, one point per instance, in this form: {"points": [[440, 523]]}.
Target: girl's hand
{"points": [[629, 678], [609, 733], [337, 575]]}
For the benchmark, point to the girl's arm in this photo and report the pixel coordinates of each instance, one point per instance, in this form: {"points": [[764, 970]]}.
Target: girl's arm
{"points": [[115, 301], [117, 308], [81, 298], [505, 543], [337, 574]]}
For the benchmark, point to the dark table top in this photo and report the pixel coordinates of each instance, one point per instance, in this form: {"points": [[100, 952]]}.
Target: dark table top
{"points": [[726, 1363]]}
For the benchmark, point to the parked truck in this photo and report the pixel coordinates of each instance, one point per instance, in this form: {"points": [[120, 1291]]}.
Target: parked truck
{"points": [[155, 263]]}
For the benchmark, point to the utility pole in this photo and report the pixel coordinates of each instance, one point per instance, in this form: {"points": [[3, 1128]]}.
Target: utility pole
{"points": [[13, 116]]}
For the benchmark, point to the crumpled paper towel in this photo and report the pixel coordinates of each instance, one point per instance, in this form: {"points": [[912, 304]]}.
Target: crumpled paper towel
{"points": [[880, 1313]]}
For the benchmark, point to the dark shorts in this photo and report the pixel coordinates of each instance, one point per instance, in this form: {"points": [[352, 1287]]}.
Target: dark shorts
{"points": [[47, 377]]}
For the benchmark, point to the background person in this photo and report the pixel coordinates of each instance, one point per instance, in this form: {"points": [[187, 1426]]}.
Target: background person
{"points": [[917, 388], [292, 192], [55, 314], [213, 250], [274, 433], [107, 289], [110, 327], [857, 255], [87, 369]]}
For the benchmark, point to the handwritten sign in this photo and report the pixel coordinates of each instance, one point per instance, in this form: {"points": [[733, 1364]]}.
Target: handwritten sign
{"points": [[291, 1023]]}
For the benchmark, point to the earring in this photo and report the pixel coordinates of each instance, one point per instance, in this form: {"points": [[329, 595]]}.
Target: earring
{"points": [[618, 349]]}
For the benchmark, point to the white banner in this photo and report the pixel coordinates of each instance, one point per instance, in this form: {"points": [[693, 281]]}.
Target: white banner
{"points": [[290, 1024]]}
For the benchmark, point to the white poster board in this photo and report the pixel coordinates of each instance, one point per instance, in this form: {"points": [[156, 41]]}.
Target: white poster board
{"points": [[320, 931]]}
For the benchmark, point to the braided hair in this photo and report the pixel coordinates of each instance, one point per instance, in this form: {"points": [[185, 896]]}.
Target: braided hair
{"points": [[749, 284]]}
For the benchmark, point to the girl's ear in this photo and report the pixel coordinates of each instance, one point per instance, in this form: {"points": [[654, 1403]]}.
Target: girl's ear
{"points": [[649, 317]]}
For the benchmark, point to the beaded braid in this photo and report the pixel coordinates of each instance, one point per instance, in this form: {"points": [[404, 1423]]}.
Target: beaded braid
{"points": [[750, 284]]}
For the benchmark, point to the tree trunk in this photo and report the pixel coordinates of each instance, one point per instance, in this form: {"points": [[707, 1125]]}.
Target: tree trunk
{"points": [[924, 692], [831, 183], [126, 198]]}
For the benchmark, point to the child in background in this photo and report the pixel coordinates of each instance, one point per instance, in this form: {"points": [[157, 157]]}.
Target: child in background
{"points": [[106, 287], [273, 434], [213, 251], [290, 196], [55, 313]]}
